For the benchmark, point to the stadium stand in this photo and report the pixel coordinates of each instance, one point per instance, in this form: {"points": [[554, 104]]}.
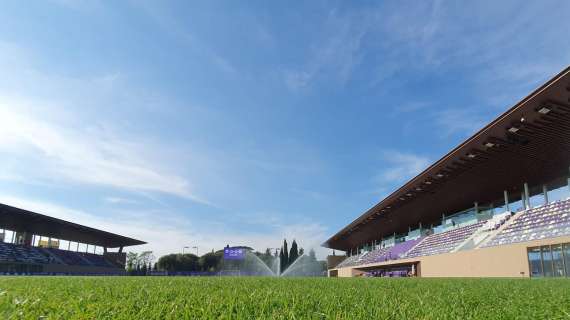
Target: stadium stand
{"points": [[15, 253], [21, 256], [443, 242], [392, 253], [350, 261], [548, 221], [497, 205]]}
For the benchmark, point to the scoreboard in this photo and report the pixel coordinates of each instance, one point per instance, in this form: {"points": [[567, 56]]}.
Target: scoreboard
{"points": [[234, 253]]}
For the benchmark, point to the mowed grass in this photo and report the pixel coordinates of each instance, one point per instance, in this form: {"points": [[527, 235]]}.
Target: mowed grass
{"points": [[290, 298]]}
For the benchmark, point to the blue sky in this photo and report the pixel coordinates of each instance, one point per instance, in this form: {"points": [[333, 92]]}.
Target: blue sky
{"points": [[207, 123]]}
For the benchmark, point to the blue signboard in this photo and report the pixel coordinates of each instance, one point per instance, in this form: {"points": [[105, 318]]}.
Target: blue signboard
{"points": [[234, 253]]}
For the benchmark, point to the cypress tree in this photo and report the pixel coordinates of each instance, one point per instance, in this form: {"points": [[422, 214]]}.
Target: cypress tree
{"points": [[294, 254], [285, 254], [281, 260]]}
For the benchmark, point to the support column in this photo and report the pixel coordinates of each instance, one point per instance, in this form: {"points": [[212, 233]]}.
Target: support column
{"points": [[506, 195], [568, 181], [68, 245], [527, 196], [545, 192], [476, 205], [77, 250]]}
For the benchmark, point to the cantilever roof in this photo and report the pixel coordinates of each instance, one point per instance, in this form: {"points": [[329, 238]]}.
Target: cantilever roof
{"points": [[494, 159], [26, 221]]}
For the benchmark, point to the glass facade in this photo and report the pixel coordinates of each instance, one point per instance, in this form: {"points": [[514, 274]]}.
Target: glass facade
{"points": [[566, 252], [557, 261], [535, 262], [549, 261]]}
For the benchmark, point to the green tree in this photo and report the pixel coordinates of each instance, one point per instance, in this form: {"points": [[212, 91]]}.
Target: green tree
{"points": [[179, 262], [312, 255], [285, 255], [210, 261], [132, 262], [294, 253], [187, 262], [281, 260], [301, 252]]}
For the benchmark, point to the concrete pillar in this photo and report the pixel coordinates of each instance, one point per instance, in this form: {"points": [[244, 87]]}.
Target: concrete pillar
{"points": [[77, 250], [476, 205], [527, 196], [87, 248], [506, 195], [68, 245], [545, 192], [568, 181]]}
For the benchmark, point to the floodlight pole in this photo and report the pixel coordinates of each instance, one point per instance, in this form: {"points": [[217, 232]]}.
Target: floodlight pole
{"points": [[183, 249], [195, 247]]}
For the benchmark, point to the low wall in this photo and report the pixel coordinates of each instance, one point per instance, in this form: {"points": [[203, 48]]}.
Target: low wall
{"points": [[508, 261], [59, 268]]}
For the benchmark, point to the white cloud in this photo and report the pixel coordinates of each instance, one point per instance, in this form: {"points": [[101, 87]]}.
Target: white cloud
{"points": [[401, 166], [85, 156], [336, 55], [464, 122], [119, 200]]}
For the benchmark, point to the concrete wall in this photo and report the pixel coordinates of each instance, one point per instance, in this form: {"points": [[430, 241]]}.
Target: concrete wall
{"points": [[500, 261], [333, 261]]}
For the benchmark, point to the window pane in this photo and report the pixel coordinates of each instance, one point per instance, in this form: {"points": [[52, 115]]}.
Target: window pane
{"points": [[567, 258], [559, 193], [534, 262], [547, 261], [557, 261]]}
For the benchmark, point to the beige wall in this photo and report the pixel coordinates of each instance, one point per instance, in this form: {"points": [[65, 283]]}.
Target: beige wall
{"points": [[500, 261]]}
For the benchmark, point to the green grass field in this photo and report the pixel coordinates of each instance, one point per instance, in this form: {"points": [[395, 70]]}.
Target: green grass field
{"points": [[291, 298]]}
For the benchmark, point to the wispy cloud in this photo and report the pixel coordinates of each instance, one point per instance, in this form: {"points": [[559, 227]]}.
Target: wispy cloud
{"points": [[463, 122], [93, 157], [175, 27], [119, 200], [402, 166], [398, 167], [336, 55]]}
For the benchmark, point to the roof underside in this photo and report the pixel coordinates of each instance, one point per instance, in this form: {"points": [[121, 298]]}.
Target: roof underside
{"points": [[492, 160], [20, 220]]}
